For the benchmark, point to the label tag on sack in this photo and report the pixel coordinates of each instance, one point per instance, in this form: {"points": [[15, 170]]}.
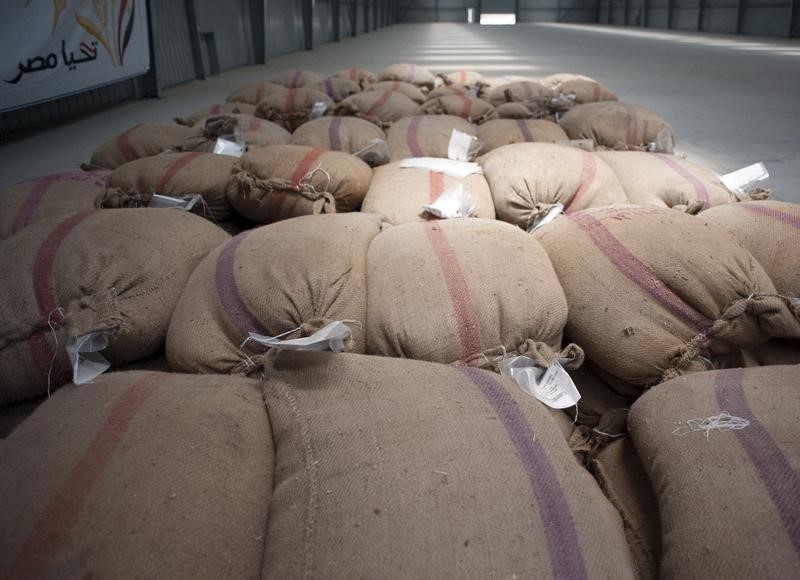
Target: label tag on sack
{"points": [[742, 181], [227, 147], [459, 169], [552, 386], [165, 201], [318, 110], [85, 358], [454, 202], [555, 211], [462, 146], [585, 144], [329, 337], [664, 143]]}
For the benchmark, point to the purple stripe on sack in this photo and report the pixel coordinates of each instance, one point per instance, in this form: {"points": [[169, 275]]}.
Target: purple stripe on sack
{"points": [[333, 134], [566, 559], [699, 188], [329, 88], [782, 482], [636, 271], [37, 192], [295, 82], [228, 291], [526, 132], [782, 216]]}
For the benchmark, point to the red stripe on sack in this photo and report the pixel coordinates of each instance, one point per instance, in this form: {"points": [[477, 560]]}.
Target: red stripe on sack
{"points": [[633, 125], [379, 103], [638, 272], [124, 146], [290, 96], [781, 216], [278, 197], [395, 86], [525, 130], [460, 298], [595, 92], [699, 189], [173, 168], [462, 77], [64, 511], [215, 110], [588, 172], [295, 82], [31, 201], [333, 134], [411, 137], [353, 74], [466, 106], [436, 185], [255, 124]]}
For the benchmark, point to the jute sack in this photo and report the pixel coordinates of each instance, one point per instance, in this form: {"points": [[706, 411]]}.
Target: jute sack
{"points": [[498, 132], [292, 108], [663, 180], [424, 135], [527, 179], [409, 73], [138, 476], [273, 183], [468, 78], [618, 125], [770, 230], [772, 352], [337, 89], [448, 90], [362, 76], [176, 175], [254, 94], [398, 194], [215, 110], [584, 89], [252, 132], [472, 109], [316, 274], [429, 296], [729, 499], [42, 197], [143, 140], [654, 293], [403, 469], [296, 78], [118, 273], [520, 92], [380, 107], [348, 134], [515, 111], [406, 89]]}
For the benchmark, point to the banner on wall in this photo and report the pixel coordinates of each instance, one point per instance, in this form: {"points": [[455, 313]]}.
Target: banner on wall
{"points": [[53, 48]]}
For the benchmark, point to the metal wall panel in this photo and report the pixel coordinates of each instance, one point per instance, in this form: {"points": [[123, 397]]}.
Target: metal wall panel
{"points": [[323, 22], [284, 27], [174, 59], [230, 23]]}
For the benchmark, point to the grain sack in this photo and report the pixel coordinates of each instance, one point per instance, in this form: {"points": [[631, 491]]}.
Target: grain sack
{"points": [[654, 293], [398, 194], [770, 230], [117, 273], [663, 180], [337, 89], [527, 179], [178, 175], [582, 88], [424, 135], [254, 94], [141, 475], [404, 469], [472, 109], [409, 73], [348, 134], [728, 490], [469, 78], [380, 107], [515, 111], [252, 132], [617, 125], [34, 199], [143, 140], [296, 78], [274, 183], [528, 92], [215, 110], [430, 296], [406, 89], [499, 132], [292, 108], [362, 76], [772, 352], [314, 273], [448, 90]]}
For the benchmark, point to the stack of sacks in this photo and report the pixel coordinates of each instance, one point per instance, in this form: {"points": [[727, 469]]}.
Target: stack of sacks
{"points": [[409, 73], [425, 135], [464, 78], [654, 293], [337, 88], [114, 274], [35, 199], [499, 132], [406, 89], [348, 134], [520, 92], [216, 110], [617, 125], [296, 78], [527, 179], [380, 107], [472, 109], [294, 107], [254, 94], [143, 140], [581, 89], [273, 183], [297, 274], [362, 76], [252, 132]]}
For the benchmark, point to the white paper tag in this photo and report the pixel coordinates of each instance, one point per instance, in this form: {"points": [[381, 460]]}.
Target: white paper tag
{"points": [[226, 147], [552, 386], [459, 169], [329, 337], [455, 202], [462, 146], [318, 110], [742, 181], [585, 144], [85, 358], [664, 143], [549, 216], [165, 201]]}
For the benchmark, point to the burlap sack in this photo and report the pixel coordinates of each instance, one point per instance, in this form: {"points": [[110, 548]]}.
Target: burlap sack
{"points": [[494, 82], [472, 109], [424, 135], [35, 199], [618, 125], [296, 78], [599, 408], [292, 108], [252, 132], [515, 111], [448, 90], [380, 107], [520, 92], [254, 94], [348, 134], [468, 78], [337, 89], [406, 89], [141, 475], [115, 272], [362, 76], [215, 110], [772, 352], [399, 194], [729, 499], [654, 293], [527, 179], [429, 296], [176, 175], [274, 183], [143, 140], [402, 469], [663, 180], [409, 73], [499, 132], [315, 274], [770, 230], [582, 88]]}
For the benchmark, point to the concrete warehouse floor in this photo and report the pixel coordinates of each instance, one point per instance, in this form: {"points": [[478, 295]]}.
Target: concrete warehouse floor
{"points": [[732, 100]]}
